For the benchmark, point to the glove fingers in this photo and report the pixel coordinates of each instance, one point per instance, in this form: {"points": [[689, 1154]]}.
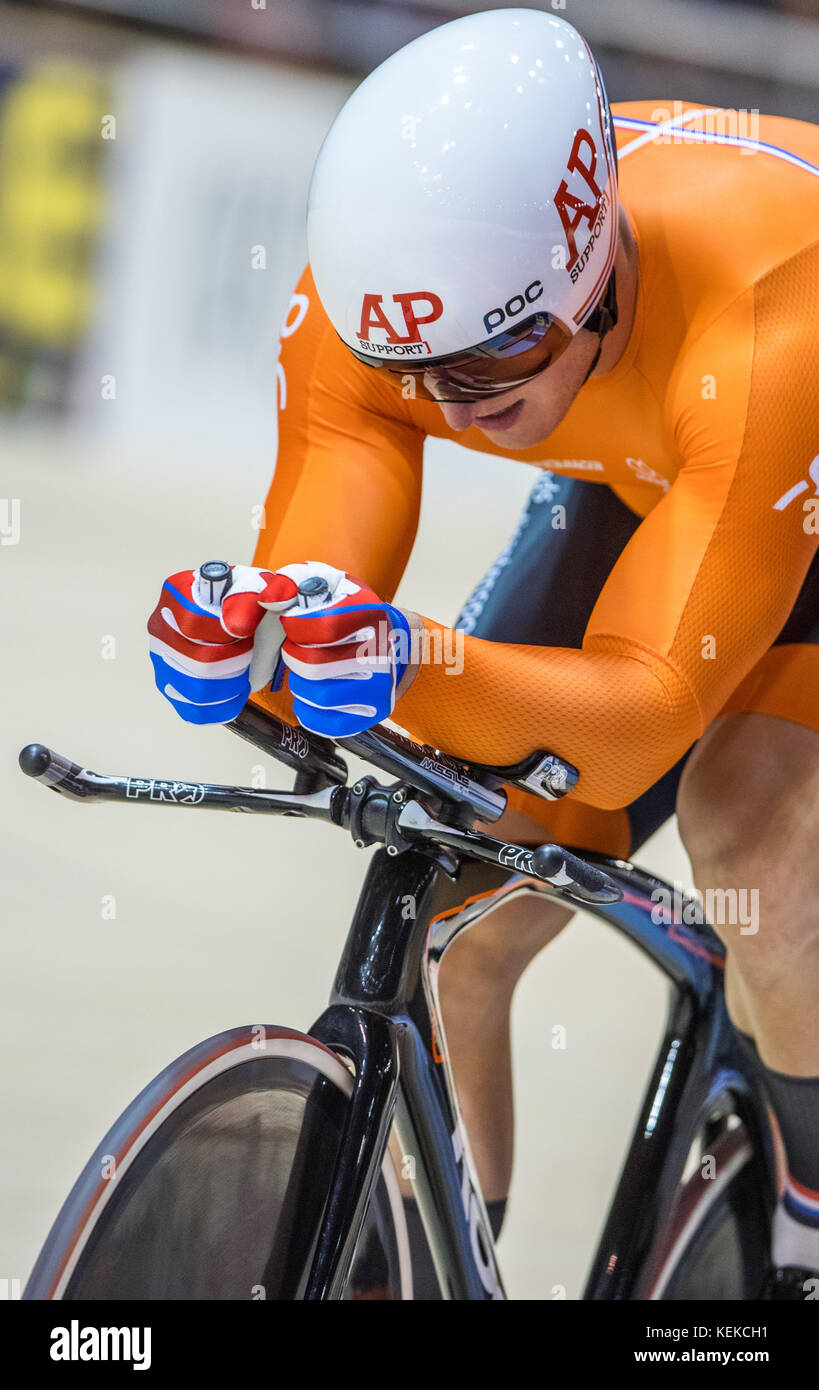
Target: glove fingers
{"points": [[220, 713], [183, 615], [198, 689], [331, 723], [316, 705], [353, 661], [338, 623], [167, 640], [250, 594], [241, 614]]}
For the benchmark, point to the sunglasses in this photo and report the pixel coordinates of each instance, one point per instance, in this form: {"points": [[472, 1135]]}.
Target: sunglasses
{"points": [[500, 364]]}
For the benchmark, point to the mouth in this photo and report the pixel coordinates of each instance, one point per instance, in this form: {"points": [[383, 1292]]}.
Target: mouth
{"points": [[501, 420]]}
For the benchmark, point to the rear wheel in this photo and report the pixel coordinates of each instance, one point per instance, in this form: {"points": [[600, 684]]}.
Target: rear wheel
{"points": [[719, 1237], [214, 1183]]}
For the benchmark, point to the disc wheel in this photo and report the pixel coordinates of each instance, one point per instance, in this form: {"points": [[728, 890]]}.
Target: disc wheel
{"points": [[213, 1183]]}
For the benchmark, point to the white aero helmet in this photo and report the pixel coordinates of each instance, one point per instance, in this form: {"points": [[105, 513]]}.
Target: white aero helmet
{"points": [[464, 204]]}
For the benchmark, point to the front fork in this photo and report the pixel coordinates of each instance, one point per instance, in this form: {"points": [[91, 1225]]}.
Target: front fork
{"points": [[397, 1078], [368, 1041]]}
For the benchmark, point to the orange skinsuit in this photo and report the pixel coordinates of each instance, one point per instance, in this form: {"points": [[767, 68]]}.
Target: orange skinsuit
{"points": [[708, 420]]}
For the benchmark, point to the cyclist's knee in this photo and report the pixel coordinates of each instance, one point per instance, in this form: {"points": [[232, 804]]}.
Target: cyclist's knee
{"points": [[718, 807], [747, 790]]}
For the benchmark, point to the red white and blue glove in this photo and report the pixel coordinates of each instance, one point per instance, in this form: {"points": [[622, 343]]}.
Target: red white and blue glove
{"points": [[346, 654], [345, 657], [209, 654]]}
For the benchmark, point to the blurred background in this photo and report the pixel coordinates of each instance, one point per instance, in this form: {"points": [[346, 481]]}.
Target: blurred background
{"points": [[154, 162]]}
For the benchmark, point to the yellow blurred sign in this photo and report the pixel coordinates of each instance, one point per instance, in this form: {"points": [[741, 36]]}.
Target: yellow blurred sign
{"points": [[51, 152]]}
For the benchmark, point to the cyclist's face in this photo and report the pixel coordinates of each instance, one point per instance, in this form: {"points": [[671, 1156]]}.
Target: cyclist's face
{"points": [[528, 414]]}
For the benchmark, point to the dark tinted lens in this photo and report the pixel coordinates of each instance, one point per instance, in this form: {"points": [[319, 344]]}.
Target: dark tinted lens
{"points": [[500, 364], [492, 371]]}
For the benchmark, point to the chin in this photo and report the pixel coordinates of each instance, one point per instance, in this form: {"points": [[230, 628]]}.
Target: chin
{"points": [[521, 436]]}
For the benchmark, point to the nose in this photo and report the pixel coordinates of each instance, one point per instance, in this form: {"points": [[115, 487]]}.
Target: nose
{"points": [[458, 414]]}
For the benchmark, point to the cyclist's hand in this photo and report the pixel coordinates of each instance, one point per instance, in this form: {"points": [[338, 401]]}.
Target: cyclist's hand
{"points": [[345, 657], [207, 657]]}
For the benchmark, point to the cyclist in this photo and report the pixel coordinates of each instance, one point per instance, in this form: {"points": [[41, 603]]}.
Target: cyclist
{"points": [[629, 302]]}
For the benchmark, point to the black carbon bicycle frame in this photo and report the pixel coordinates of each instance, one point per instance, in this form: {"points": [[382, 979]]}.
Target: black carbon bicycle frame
{"points": [[383, 1015]]}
